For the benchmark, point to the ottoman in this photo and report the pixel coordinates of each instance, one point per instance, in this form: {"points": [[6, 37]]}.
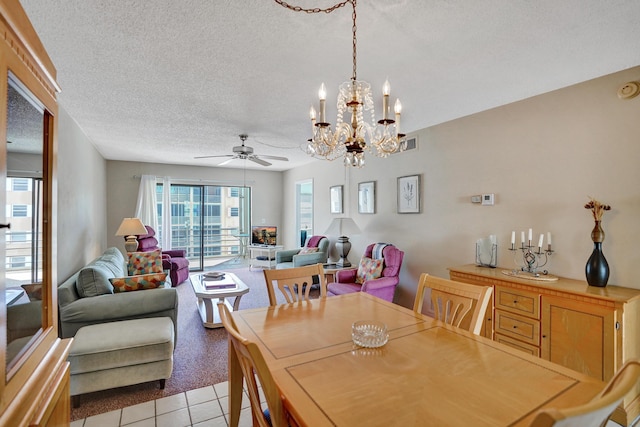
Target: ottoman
{"points": [[117, 354]]}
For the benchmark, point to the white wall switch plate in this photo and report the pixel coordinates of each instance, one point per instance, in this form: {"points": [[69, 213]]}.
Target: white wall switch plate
{"points": [[488, 199], [476, 199]]}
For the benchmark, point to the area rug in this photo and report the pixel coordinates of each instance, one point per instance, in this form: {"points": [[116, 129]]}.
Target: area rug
{"points": [[200, 357]]}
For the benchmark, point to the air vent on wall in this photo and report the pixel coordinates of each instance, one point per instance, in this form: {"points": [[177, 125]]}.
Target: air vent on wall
{"points": [[410, 143]]}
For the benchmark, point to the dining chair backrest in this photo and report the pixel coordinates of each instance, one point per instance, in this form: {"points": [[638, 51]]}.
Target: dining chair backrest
{"points": [[295, 283], [255, 373], [596, 413], [455, 303]]}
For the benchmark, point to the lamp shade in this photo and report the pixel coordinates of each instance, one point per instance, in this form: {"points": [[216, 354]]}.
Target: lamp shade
{"points": [[342, 227], [131, 227]]}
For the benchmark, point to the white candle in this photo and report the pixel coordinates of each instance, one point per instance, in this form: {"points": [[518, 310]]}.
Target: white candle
{"points": [[530, 235], [540, 241], [549, 238], [312, 116], [513, 238], [522, 238], [386, 90], [397, 108], [322, 94]]}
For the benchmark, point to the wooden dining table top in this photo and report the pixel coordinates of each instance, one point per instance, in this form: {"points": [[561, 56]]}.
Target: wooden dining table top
{"points": [[428, 373]]}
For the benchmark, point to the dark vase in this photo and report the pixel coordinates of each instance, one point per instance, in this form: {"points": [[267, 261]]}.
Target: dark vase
{"points": [[597, 268]]}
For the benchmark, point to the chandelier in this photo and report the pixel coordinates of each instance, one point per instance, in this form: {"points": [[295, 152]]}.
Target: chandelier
{"points": [[351, 138]]}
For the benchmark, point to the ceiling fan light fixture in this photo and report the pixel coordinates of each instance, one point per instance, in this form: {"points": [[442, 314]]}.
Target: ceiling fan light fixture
{"points": [[351, 138], [244, 152]]}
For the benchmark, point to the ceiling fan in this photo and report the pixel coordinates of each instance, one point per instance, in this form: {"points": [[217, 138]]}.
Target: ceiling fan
{"points": [[245, 152]]}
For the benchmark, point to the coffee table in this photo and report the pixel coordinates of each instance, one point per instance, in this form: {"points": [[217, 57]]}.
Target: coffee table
{"points": [[208, 309]]}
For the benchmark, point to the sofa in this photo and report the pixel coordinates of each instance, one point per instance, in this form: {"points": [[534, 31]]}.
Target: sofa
{"points": [[173, 260], [88, 298], [316, 251]]}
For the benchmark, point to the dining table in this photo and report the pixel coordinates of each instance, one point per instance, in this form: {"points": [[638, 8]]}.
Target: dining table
{"points": [[427, 374]]}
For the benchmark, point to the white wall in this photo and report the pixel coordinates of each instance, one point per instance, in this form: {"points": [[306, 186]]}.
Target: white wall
{"points": [[124, 180], [82, 188], [542, 157]]}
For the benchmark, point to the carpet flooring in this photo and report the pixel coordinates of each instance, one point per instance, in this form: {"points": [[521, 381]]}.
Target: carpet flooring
{"points": [[200, 356]]}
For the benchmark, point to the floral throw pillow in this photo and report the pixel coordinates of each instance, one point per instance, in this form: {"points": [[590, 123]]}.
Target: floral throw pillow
{"points": [[306, 250], [369, 269], [145, 262], [138, 283]]}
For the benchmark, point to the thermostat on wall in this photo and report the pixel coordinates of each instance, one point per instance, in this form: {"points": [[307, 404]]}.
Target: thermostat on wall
{"points": [[487, 199]]}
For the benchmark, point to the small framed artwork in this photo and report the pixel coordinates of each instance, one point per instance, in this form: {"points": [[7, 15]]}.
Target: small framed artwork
{"points": [[409, 194], [336, 199], [367, 197]]}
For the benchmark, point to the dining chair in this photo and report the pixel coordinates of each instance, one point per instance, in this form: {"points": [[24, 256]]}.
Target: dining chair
{"points": [[255, 373], [455, 303], [295, 283], [596, 413]]}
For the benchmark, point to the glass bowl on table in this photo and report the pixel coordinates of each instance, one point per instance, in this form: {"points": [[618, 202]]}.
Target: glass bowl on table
{"points": [[369, 333]]}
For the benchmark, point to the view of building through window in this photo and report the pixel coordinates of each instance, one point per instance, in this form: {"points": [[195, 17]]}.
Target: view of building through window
{"points": [[207, 221], [24, 239]]}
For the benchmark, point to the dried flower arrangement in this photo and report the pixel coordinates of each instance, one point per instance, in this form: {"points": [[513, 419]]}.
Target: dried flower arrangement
{"points": [[597, 208]]}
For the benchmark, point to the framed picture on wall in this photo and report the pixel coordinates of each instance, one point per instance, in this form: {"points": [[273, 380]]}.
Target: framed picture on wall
{"points": [[336, 199], [409, 194], [367, 197]]}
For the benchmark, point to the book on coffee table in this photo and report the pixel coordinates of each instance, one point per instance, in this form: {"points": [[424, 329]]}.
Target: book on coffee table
{"points": [[224, 283]]}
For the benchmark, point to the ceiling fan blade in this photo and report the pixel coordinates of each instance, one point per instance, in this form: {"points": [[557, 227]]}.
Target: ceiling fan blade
{"points": [[284, 159], [209, 157], [258, 161], [227, 161]]}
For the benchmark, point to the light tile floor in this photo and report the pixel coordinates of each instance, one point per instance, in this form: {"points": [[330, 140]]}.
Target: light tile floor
{"points": [[202, 407]]}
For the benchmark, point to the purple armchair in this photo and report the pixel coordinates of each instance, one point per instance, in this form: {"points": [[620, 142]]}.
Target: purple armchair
{"points": [[173, 260], [383, 287]]}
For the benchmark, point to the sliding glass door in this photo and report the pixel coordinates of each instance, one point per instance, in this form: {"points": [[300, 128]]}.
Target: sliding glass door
{"points": [[208, 221]]}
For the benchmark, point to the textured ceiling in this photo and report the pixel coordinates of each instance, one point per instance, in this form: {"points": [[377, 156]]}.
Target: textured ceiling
{"points": [[165, 81]]}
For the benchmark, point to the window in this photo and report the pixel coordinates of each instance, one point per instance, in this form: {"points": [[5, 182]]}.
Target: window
{"points": [[19, 236], [233, 211], [20, 184], [16, 262], [20, 211], [304, 209]]}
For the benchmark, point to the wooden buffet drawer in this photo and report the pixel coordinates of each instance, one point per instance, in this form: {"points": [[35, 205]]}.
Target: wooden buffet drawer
{"points": [[518, 345], [518, 327], [518, 301]]}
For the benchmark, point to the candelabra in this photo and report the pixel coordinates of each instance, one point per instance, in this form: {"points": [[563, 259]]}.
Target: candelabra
{"points": [[532, 261]]}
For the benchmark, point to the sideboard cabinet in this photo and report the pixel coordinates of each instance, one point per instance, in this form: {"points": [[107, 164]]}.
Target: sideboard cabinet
{"points": [[588, 329]]}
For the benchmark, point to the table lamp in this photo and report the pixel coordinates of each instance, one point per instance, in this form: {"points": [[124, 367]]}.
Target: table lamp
{"points": [[340, 227], [131, 228]]}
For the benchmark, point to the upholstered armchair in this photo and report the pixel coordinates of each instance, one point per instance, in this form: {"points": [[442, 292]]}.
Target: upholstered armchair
{"points": [[315, 251], [173, 260], [385, 281]]}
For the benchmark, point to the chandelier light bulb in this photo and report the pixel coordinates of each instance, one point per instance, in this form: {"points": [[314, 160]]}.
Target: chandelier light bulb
{"points": [[322, 92], [397, 108], [312, 114], [386, 88]]}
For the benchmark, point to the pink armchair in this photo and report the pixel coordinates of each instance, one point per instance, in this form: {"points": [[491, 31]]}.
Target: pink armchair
{"points": [[383, 287], [173, 260]]}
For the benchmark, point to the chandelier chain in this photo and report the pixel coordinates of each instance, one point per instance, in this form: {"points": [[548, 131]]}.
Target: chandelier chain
{"points": [[354, 28], [315, 9]]}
